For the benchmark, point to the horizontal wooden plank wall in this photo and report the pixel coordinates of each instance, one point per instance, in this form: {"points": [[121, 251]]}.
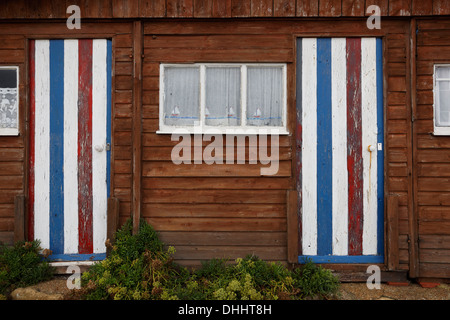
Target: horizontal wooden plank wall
{"points": [[217, 204], [45, 9], [217, 210], [432, 155], [228, 210], [210, 210], [12, 149]]}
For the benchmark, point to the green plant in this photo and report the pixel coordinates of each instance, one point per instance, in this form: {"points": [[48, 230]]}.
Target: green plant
{"points": [[141, 267], [315, 280], [22, 265], [137, 268]]}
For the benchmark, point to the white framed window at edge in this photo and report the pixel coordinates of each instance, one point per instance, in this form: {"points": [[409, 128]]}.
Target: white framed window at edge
{"points": [[196, 93], [9, 100], [441, 99]]}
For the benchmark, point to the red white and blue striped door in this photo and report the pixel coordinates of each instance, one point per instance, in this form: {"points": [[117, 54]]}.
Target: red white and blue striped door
{"points": [[340, 149], [69, 157]]}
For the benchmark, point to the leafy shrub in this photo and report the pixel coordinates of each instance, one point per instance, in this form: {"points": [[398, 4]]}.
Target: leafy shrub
{"points": [[139, 267], [22, 265], [315, 280]]}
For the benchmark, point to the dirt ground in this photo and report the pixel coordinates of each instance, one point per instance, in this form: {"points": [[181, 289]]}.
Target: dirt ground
{"points": [[56, 289]]}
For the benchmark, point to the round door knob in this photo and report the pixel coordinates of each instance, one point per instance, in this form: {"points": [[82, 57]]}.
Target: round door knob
{"points": [[98, 148], [371, 148]]}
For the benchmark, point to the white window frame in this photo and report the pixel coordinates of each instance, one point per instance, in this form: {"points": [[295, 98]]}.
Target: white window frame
{"points": [[13, 131], [438, 130], [202, 127]]}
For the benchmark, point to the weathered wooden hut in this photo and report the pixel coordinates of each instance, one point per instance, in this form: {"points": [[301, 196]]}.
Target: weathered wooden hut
{"points": [[362, 107]]}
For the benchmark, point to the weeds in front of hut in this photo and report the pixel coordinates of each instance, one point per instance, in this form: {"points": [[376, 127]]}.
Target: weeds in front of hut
{"points": [[22, 265], [141, 267]]}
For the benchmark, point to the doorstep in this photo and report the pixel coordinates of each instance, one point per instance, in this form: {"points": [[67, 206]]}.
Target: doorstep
{"points": [[67, 267]]}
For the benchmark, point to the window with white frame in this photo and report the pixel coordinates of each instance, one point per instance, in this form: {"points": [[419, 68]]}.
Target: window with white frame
{"points": [[9, 100], [442, 99], [218, 97]]}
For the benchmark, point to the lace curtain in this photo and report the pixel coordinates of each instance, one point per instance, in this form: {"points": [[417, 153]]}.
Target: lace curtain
{"points": [[443, 96], [264, 96], [223, 96], [182, 96], [8, 99]]}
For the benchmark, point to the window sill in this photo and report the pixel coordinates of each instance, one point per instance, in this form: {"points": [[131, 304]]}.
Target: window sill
{"points": [[230, 131], [441, 131], [9, 132]]}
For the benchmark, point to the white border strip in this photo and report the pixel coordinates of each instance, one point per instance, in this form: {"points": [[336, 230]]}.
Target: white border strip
{"points": [[42, 147], [309, 146], [339, 134], [70, 146]]}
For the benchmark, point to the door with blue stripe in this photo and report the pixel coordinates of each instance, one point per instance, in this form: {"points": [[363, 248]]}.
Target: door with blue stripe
{"points": [[70, 135], [340, 149]]}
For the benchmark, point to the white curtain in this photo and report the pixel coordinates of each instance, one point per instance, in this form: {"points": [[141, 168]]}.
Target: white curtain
{"points": [[8, 98], [223, 96], [182, 96], [443, 96], [264, 96]]}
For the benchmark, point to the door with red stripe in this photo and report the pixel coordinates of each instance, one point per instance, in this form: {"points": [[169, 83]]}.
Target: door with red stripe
{"points": [[69, 146], [340, 149]]}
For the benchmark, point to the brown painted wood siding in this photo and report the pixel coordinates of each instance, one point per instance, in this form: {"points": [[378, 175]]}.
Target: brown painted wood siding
{"points": [[207, 211], [398, 135], [432, 155], [47, 9], [12, 149], [218, 210]]}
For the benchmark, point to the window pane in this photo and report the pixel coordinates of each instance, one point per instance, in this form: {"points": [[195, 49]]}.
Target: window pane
{"points": [[223, 95], [444, 85], [444, 103], [8, 98], [443, 72], [182, 91], [264, 96]]}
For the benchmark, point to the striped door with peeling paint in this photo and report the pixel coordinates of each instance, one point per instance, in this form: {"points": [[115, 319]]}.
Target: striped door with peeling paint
{"points": [[70, 116], [340, 150]]}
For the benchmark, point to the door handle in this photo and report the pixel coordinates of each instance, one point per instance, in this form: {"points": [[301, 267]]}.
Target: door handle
{"points": [[99, 148]]}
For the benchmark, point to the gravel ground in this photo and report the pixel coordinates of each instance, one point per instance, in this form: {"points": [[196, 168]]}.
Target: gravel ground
{"points": [[359, 291], [56, 289]]}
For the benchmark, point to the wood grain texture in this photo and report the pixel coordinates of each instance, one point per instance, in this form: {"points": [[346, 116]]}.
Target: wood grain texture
{"points": [[354, 148], [399, 7], [240, 8], [137, 124], [283, 8], [331, 8], [392, 233], [422, 7], [261, 8], [355, 8], [46, 9], [441, 7], [85, 148]]}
